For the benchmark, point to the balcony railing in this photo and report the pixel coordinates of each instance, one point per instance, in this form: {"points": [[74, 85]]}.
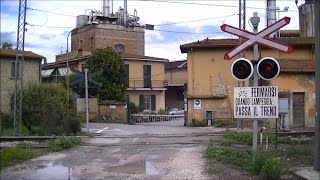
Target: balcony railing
{"points": [[142, 84]]}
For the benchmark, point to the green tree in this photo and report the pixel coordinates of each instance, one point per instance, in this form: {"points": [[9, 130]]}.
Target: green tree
{"points": [[6, 46], [113, 76]]}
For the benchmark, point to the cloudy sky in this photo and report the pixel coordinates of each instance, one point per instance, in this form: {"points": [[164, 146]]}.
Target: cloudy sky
{"points": [[176, 22]]}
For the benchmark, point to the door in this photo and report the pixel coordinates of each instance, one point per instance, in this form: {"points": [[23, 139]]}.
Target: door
{"points": [[298, 109]]}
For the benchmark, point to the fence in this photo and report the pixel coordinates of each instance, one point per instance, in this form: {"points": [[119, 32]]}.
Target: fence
{"points": [[149, 119]]}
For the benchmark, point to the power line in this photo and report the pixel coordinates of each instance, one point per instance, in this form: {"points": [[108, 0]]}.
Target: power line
{"points": [[35, 25], [50, 12], [180, 32], [196, 20]]}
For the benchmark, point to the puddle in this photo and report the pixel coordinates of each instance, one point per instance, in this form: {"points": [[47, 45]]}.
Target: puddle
{"points": [[150, 165], [52, 170], [140, 167]]}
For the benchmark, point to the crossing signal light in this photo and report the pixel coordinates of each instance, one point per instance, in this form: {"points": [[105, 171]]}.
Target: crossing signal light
{"points": [[268, 68], [242, 69]]}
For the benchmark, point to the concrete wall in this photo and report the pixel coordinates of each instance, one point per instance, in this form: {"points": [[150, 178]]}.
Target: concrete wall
{"points": [[108, 35], [210, 80], [31, 73], [176, 76]]}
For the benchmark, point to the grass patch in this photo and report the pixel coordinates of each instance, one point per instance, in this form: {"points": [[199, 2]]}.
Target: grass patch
{"points": [[233, 137], [14, 155], [229, 155], [214, 170], [60, 143], [305, 150]]}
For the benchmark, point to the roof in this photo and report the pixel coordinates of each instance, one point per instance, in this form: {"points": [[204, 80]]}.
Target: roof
{"points": [[305, 65], [12, 53], [227, 43], [127, 56], [176, 64], [74, 62]]}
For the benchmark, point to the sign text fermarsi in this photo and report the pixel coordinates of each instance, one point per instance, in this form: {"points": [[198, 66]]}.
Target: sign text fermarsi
{"points": [[256, 102]]}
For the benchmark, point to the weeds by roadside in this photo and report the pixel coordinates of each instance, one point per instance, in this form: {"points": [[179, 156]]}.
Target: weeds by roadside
{"points": [[14, 155], [60, 143], [235, 149]]}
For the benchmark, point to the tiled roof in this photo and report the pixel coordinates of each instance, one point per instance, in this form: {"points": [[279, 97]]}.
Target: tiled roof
{"points": [[136, 56], [176, 64], [73, 62], [224, 43], [12, 53], [297, 66]]}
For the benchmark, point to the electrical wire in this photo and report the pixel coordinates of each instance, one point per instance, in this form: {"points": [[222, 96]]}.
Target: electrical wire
{"points": [[35, 25], [179, 32], [50, 12]]}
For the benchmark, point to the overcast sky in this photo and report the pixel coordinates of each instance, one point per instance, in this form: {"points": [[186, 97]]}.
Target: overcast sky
{"points": [[49, 22]]}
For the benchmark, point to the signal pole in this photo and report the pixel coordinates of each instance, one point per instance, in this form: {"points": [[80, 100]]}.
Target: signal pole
{"points": [[317, 59], [255, 22]]}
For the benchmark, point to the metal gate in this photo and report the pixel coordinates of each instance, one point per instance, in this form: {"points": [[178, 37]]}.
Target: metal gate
{"points": [[157, 120], [298, 109]]}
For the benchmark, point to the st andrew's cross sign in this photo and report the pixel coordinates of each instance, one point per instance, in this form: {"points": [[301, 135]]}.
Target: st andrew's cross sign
{"points": [[259, 38]]}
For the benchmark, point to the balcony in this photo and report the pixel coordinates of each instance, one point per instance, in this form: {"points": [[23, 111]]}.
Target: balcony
{"points": [[153, 84]]}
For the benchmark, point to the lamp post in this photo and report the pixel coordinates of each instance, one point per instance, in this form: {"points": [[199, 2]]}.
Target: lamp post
{"points": [[278, 10]]}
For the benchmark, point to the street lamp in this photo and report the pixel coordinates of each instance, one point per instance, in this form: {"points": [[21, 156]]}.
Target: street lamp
{"points": [[278, 10]]}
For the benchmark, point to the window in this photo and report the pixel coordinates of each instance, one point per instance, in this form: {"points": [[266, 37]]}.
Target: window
{"points": [[127, 73], [147, 76], [147, 102], [180, 95], [80, 43], [13, 69], [119, 48], [91, 42]]}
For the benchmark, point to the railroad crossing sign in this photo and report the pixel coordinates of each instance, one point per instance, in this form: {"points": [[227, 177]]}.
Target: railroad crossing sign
{"points": [[90, 76], [259, 38]]}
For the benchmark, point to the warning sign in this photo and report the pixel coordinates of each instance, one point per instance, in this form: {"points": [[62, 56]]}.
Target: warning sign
{"points": [[256, 102]]}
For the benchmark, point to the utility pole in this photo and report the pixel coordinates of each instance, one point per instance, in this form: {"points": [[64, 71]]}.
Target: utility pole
{"points": [[87, 99], [317, 59], [255, 22], [18, 77]]}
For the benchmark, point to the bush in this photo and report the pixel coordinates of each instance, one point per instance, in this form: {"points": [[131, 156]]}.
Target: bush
{"points": [[198, 124], [260, 156], [272, 169], [133, 108], [63, 142], [162, 112], [45, 111]]}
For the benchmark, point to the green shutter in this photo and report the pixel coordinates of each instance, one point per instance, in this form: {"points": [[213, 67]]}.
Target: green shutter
{"points": [[147, 76], [141, 103], [153, 102], [127, 73]]}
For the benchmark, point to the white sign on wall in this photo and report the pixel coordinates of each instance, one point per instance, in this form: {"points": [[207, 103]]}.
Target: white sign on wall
{"points": [[197, 104], [256, 102]]}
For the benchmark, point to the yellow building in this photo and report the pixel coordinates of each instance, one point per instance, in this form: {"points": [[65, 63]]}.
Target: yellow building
{"points": [[176, 78], [146, 83], [210, 80], [31, 72]]}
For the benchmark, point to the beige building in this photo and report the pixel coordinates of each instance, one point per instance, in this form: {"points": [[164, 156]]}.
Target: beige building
{"points": [[211, 82], [146, 82], [176, 79], [31, 73]]}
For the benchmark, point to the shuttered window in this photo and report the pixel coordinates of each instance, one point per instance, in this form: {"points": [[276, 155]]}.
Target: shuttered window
{"points": [[127, 73], [147, 102], [147, 76]]}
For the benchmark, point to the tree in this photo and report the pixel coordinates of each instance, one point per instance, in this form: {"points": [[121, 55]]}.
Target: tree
{"points": [[113, 77], [6, 46]]}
